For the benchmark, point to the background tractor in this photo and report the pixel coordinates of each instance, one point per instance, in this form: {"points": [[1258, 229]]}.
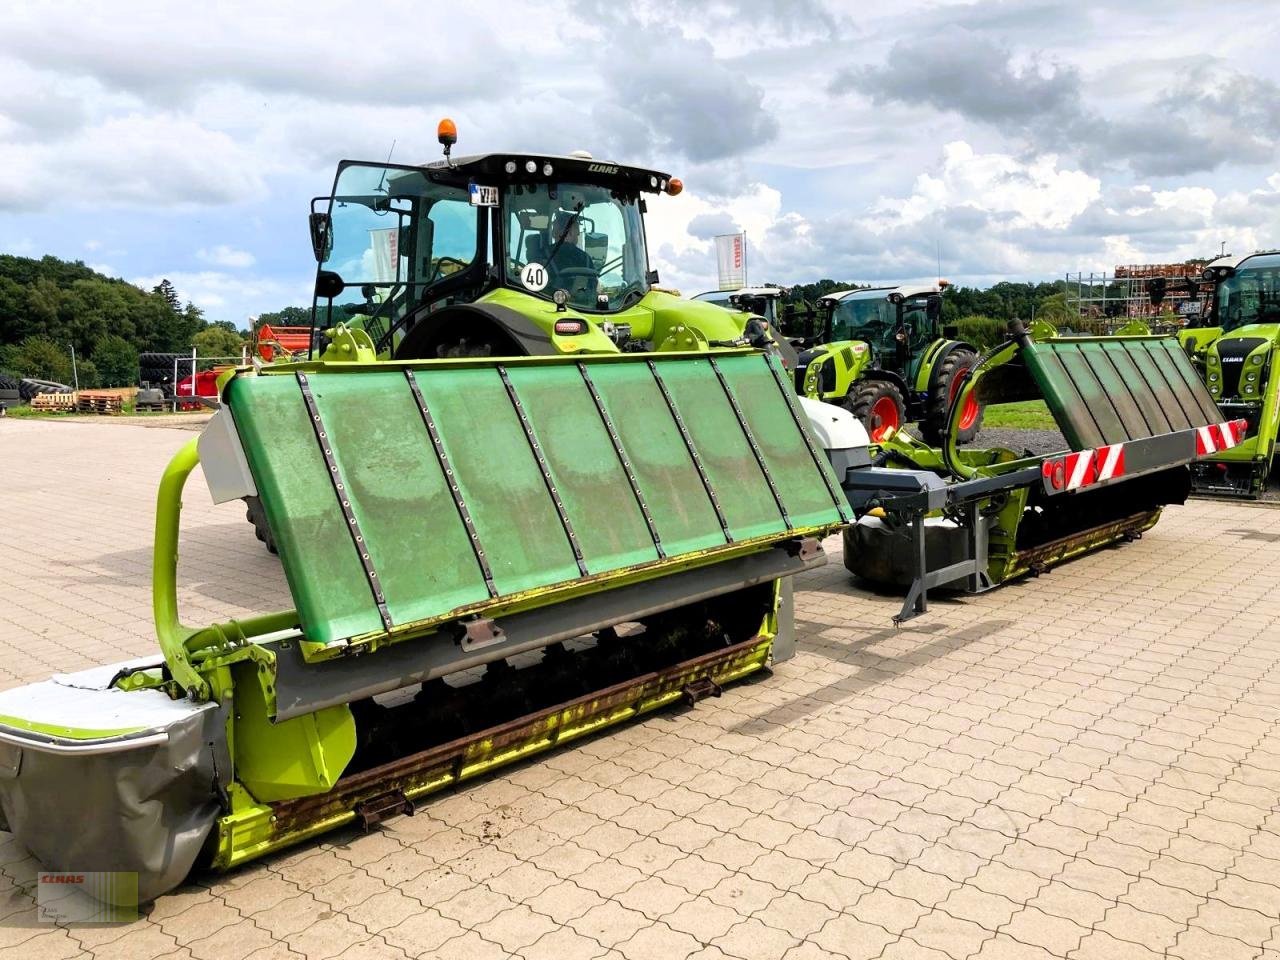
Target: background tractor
{"points": [[883, 354]]}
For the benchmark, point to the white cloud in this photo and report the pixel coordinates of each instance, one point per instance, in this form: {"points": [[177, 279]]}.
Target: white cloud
{"points": [[225, 256], [1035, 194], [136, 160], [183, 152]]}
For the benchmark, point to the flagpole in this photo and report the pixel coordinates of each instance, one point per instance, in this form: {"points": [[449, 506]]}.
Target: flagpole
{"points": [[745, 281]]}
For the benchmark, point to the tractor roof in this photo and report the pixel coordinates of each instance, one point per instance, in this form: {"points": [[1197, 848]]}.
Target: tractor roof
{"points": [[504, 168], [1224, 267], [744, 292], [882, 293]]}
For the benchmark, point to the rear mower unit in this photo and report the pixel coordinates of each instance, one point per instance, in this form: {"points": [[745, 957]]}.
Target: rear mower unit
{"points": [[487, 558], [1134, 414]]}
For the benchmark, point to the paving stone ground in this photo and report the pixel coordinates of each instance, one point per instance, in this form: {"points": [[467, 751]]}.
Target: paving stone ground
{"points": [[1083, 766]]}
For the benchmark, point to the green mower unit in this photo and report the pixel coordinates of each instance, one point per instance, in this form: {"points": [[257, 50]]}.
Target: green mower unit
{"points": [[1236, 355], [487, 558], [1134, 414], [882, 353]]}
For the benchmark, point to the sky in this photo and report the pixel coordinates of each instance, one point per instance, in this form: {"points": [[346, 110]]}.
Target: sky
{"points": [[853, 141]]}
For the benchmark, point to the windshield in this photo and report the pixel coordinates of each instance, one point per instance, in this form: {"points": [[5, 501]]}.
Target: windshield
{"points": [[585, 240], [873, 319], [1252, 295], [396, 236]]}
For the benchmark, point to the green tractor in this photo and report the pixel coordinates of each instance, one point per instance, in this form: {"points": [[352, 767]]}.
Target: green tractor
{"points": [[503, 255], [883, 353], [1236, 353]]}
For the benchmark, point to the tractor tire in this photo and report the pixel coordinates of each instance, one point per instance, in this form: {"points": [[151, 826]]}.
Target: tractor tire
{"points": [[880, 406], [8, 383], [157, 368], [29, 388], [943, 385], [258, 517]]}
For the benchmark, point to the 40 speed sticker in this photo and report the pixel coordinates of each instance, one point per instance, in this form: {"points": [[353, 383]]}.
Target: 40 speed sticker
{"points": [[534, 277]]}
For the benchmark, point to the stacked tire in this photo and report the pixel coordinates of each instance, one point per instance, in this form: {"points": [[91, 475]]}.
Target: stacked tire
{"points": [[29, 388], [157, 370], [10, 395]]}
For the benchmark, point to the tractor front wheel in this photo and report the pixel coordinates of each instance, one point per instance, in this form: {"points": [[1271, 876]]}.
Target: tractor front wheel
{"points": [[943, 390], [879, 405]]}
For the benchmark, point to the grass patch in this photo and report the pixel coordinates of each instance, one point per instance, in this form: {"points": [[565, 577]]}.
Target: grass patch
{"points": [[1026, 415]]}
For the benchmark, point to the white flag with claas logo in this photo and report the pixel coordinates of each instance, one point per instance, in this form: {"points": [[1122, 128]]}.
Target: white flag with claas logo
{"points": [[731, 260]]}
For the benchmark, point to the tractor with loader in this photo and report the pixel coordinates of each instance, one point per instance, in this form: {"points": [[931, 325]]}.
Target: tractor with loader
{"points": [[1236, 352], [883, 353], [491, 555]]}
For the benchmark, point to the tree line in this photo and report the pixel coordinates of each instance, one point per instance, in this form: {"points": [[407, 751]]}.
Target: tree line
{"points": [[50, 306]]}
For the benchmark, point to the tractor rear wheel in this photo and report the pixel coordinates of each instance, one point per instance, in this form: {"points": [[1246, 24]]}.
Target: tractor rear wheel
{"points": [[879, 405], [943, 388]]}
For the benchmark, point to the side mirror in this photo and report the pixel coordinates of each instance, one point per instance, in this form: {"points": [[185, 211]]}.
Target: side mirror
{"points": [[933, 309], [321, 236], [328, 285], [651, 278], [951, 332]]}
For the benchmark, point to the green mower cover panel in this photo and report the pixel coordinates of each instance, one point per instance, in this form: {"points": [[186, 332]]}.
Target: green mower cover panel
{"points": [[403, 495], [1108, 390]]}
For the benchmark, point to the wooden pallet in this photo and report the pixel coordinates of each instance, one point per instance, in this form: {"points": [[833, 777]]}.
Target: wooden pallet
{"points": [[60, 402], [89, 401]]}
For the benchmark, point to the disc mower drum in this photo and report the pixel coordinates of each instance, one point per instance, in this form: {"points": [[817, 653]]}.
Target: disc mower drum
{"points": [[881, 554]]}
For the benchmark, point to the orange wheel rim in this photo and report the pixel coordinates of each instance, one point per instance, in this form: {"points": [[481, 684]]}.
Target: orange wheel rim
{"points": [[884, 417]]}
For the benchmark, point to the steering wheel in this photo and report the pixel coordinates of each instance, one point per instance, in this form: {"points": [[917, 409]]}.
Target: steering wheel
{"points": [[570, 274], [437, 272]]}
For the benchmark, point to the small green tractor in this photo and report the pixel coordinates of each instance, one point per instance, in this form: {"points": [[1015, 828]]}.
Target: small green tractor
{"points": [[883, 353], [1236, 353]]}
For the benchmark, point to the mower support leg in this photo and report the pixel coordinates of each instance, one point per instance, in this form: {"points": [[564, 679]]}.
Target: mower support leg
{"points": [[973, 568]]}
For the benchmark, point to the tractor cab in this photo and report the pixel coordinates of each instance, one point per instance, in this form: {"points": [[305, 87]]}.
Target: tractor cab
{"points": [[882, 352], [501, 254], [761, 301], [897, 324]]}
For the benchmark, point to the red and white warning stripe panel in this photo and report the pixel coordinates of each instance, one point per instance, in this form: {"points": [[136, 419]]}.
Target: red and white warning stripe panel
{"points": [[1076, 470], [1219, 436]]}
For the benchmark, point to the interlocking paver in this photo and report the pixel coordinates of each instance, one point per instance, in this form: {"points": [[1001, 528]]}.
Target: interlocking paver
{"points": [[1083, 766]]}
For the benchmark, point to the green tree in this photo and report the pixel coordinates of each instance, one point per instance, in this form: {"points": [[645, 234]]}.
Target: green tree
{"points": [[117, 361], [86, 374], [288, 317], [216, 342], [41, 359], [166, 292]]}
